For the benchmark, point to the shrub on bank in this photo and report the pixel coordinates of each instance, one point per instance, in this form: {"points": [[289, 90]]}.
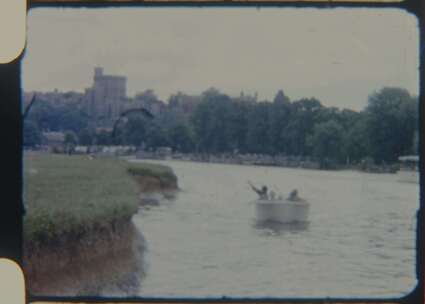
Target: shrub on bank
{"points": [[164, 174]]}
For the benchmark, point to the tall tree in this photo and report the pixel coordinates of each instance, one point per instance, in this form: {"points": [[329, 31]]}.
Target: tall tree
{"points": [[326, 142], [278, 120], [211, 122], [392, 121], [303, 116], [134, 131], [258, 134], [32, 134], [181, 138], [356, 141]]}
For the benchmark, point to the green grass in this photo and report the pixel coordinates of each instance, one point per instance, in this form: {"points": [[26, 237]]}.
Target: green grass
{"points": [[163, 173], [73, 195]]}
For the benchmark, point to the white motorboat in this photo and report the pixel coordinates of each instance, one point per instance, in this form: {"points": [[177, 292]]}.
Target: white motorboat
{"points": [[409, 169], [283, 211]]}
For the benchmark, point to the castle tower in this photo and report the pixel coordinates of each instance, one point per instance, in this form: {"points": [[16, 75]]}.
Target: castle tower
{"points": [[98, 72], [106, 97]]}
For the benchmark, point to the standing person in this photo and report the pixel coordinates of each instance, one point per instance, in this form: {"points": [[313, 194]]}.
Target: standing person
{"points": [[262, 193]]}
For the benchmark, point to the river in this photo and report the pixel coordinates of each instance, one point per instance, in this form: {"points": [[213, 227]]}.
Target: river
{"points": [[359, 241]]}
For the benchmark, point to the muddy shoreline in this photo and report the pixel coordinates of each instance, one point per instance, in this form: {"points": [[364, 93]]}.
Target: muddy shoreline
{"points": [[103, 261]]}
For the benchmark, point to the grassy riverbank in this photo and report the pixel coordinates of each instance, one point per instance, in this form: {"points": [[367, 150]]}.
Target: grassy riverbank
{"points": [[74, 194], [68, 194]]}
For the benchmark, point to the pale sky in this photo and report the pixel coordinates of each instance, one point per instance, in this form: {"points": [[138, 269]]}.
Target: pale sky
{"points": [[339, 56]]}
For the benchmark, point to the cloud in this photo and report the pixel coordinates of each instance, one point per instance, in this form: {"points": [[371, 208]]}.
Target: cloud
{"points": [[329, 53]]}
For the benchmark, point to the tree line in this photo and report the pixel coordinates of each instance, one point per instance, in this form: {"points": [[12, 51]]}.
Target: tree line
{"points": [[385, 129]]}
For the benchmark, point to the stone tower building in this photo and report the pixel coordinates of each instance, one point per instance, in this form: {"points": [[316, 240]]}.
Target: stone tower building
{"points": [[106, 98]]}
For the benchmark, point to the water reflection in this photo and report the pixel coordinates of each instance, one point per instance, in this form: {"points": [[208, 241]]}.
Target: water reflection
{"points": [[278, 228]]}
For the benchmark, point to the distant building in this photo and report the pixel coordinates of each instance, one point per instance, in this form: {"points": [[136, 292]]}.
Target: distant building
{"points": [[183, 103], [105, 100]]}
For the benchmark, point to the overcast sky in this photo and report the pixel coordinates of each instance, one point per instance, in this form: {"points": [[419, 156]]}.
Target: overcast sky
{"points": [[339, 56]]}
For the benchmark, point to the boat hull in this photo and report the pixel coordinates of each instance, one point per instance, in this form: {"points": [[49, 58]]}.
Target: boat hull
{"points": [[282, 211]]}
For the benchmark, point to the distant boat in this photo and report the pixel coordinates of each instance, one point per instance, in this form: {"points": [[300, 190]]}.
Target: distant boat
{"points": [[409, 169], [283, 211]]}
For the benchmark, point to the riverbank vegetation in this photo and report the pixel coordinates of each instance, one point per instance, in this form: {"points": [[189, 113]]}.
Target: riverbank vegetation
{"points": [[78, 233], [75, 194], [164, 174], [215, 123]]}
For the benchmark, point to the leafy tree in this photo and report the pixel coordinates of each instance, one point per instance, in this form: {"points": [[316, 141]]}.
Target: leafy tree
{"points": [[86, 137], [237, 125], [155, 136], [32, 135], [70, 141], [103, 138], [181, 138], [415, 147], [279, 117], [72, 118], [210, 121], [356, 145], [257, 134], [147, 96], [392, 120], [70, 138], [326, 141], [303, 116], [134, 131], [45, 115]]}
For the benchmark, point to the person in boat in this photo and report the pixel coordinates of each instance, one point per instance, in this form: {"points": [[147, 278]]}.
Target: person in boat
{"points": [[293, 196], [262, 193]]}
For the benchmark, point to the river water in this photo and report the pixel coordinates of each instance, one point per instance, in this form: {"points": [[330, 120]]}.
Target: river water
{"points": [[360, 239]]}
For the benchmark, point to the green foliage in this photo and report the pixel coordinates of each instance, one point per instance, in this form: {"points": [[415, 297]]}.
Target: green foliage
{"points": [[356, 144], [72, 194], [156, 135], [257, 134], [392, 120], [70, 138], [213, 122], [163, 173], [147, 96], [58, 117], [103, 137], [32, 134], [326, 141], [86, 137], [70, 141], [181, 138]]}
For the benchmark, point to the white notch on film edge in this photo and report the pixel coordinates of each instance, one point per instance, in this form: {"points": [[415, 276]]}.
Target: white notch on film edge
{"points": [[12, 283], [12, 29]]}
